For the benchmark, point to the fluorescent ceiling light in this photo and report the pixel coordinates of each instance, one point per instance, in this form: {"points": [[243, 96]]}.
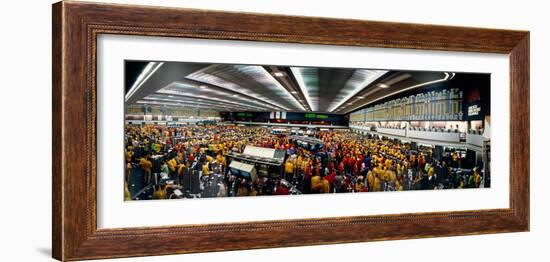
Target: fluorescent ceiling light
{"points": [[147, 72], [179, 105], [174, 90], [253, 71], [299, 76], [279, 74], [191, 102], [184, 89], [360, 79], [382, 85], [259, 74]]}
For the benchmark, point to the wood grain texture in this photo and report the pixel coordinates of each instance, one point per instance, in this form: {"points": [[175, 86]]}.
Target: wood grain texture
{"points": [[76, 26], [57, 195]]}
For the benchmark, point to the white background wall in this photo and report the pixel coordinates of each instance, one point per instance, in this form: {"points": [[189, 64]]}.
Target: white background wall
{"points": [[25, 101]]}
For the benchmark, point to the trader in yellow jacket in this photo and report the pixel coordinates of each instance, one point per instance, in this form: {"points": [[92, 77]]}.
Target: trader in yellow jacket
{"points": [[146, 166], [172, 164], [299, 163], [127, 195], [377, 184], [370, 180], [205, 169], [160, 193], [319, 185], [289, 169], [220, 159], [477, 177], [128, 154]]}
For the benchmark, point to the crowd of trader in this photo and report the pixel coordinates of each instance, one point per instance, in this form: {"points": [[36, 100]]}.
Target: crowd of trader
{"points": [[347, 162]]}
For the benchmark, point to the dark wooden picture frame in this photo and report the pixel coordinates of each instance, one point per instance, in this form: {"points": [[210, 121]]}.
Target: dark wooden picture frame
{"points": [[76, 26]]}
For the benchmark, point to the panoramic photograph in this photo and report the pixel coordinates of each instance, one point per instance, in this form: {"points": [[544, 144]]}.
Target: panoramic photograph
{"points": [[202, 130]]}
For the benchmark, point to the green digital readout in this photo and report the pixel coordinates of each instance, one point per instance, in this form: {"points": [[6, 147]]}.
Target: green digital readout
{"points": [[316, 116], [244, 114]]}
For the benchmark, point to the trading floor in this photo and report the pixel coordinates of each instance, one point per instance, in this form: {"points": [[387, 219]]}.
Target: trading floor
{"points": [[214, 160]]}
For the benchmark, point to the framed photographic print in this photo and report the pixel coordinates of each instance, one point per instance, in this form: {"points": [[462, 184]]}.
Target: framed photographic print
{"points": [[181, 130]]}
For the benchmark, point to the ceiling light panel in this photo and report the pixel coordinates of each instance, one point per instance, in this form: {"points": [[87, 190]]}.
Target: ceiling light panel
{"points": [[190, 90], [279, 74], [223, 101], [263, 77], [308, 81], [360, 79], [190, 102], [147, 72], [187, 105], [195, 101], [248, 81], [148, 102]]}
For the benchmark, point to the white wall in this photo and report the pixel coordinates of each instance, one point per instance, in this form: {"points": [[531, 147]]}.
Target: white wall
{"points": [[431, 135], [392, 131], [25, 223]]}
